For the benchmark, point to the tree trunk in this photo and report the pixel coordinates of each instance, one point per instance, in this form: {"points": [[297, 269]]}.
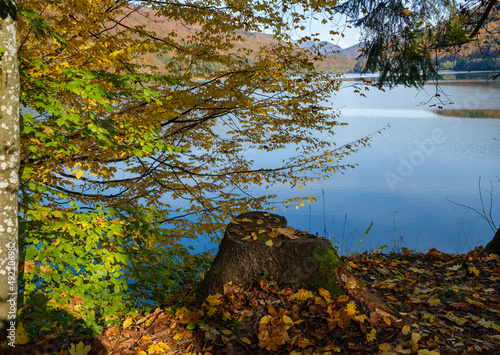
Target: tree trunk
{"points": [[258, 243], [9, 165], [493, 247]]}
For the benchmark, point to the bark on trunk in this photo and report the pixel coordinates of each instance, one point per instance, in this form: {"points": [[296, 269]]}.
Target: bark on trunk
{"points": [[259, 243], [9, 165], [493, 247]]}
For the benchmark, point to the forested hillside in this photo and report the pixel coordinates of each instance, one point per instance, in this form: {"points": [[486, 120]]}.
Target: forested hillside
{"points": [[161, 27], [481, 54]]}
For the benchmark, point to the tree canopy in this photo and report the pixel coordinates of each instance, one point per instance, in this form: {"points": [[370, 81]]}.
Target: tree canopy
{"points": [[122, 158], [404, 40]]}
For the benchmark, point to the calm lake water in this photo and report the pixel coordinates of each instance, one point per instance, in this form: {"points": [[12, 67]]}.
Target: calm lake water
{"points": [[405, 180]]}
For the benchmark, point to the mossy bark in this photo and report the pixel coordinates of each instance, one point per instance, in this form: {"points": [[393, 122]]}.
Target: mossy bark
{"points": [[493, 247], [290, 257], [259, 243]]}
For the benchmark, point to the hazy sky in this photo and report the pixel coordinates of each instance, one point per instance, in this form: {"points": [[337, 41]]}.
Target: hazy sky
{"points": [[351, 35]]}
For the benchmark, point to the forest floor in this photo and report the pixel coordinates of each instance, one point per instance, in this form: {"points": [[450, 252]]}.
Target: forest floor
{"points": [[450, 304]]}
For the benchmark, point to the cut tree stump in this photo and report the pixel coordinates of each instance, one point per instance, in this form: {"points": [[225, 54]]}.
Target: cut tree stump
{"points": [[493, 247], [259, 243]]}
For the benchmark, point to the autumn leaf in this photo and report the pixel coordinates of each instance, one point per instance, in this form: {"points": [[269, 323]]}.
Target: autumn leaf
{"points": [[127, 323], [351, 264], [351, 309], [474, 271], [304, 342], [343, 298], [303, 295], [361, 318], [21, 334], [385, 347], [371, 336], [287, 319], [266, 319], [269, 243], [324, 293]]}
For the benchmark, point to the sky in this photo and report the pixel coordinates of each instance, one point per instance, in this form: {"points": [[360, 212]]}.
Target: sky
{"points": [[350, 38]]}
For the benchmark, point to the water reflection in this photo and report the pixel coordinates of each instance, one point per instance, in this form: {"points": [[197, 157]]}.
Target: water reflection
{"points": [[405, 181]]}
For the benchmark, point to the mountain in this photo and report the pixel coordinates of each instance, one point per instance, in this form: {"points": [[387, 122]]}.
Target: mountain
{"points": [[351, 52], [164, 27], [323, 47]]}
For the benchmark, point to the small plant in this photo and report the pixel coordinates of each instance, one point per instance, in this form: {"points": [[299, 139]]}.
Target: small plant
{"points": [[451, 295]]}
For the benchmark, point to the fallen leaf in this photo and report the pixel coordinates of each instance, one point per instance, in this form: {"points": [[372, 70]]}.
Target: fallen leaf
{"points": [[372, 335], [269, 243], [385, 347], [265, 319], [351, 309], [127, 323]]}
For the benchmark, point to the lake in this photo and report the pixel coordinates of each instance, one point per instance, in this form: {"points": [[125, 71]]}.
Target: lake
{"points": [[411, 178]]}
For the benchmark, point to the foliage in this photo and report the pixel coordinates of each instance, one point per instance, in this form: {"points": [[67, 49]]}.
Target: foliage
{"points": [[448, 300], [123, 156], [406, 41]]}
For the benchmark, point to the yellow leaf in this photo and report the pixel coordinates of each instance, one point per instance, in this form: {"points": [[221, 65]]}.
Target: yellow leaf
{"points": [[351, 264], [303, 295], [496, 327], [246, 340], [79, 174], [176, 336], [304, 342], [406, 251], [385, 347], [21, 335], [351, 309], [227, 331], [387, 321], [127, 323], [227, 314], [269, 243], [485, 323], [406, 330], [415, 337], [361, 318], [343, 298], [372, 335], [428, 352], [434, 301], [266, 319], [79, 349], [474, 271], [324, 293], [287, 319]]}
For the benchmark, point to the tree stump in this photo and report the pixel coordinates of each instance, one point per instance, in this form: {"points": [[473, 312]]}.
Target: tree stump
{"points": [[493, 247], [259, 243]]}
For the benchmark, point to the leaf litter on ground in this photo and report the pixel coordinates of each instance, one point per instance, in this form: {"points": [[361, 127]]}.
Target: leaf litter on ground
{"points": [[451, 305]]}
